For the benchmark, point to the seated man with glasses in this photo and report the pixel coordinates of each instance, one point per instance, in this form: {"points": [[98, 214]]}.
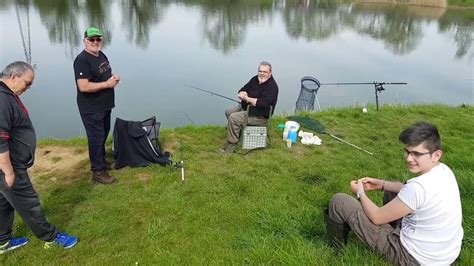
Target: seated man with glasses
{"points": [[429, 207], [260, 92], [95, 85]]}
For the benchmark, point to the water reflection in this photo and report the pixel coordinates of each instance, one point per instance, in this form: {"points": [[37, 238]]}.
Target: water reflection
{"points": [[25, 29], [225, 23], [313, 21], [462, 29], [399, 29], [138, 18], [157, 46], [60, 20], [225, 27]]}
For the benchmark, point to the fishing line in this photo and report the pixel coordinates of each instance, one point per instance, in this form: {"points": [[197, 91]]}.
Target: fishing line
{"points": [[189, 118], [212, 93]]}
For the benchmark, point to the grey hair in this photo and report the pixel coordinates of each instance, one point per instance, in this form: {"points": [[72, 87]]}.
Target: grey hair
{"points": [[18, 68], [265, 63]]}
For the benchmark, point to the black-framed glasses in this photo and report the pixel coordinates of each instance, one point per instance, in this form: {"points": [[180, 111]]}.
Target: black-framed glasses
{"points": [[415, 154], [27, 83], [94, 39]]}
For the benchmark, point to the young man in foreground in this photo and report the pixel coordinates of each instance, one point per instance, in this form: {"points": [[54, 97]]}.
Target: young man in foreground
{"points": [[428, 205]]}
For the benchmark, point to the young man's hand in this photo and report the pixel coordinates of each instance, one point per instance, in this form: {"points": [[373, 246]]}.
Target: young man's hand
{"points": [[372, 183], [356, 186]]}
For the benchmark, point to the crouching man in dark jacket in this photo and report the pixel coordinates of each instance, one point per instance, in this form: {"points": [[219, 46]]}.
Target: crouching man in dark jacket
{"points": [[17, 154]]}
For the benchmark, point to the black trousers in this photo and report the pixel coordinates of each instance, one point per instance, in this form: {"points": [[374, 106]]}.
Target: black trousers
{"points": [[23, 198], [97, 127]]}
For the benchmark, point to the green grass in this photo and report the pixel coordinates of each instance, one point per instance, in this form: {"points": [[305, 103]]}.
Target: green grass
{"points": [[260, 208], [461, 3]]}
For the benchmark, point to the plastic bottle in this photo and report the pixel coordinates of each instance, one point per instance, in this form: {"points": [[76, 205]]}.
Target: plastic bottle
{"points": [[292, 134]]}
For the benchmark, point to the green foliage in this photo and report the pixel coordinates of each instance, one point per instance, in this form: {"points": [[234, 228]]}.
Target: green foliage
{"points": [[260, 208]]}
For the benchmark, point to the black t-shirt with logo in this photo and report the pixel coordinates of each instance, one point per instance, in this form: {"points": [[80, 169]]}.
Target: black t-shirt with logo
{"points": [[95, 69]]}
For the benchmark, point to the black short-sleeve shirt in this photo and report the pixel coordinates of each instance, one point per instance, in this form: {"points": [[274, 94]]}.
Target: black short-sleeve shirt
{"points": [[95, 69]]}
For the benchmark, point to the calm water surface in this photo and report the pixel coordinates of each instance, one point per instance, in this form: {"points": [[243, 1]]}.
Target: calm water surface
{"points": [[159, 46]]}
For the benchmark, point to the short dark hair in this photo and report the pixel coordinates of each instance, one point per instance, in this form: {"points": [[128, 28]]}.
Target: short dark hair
{"points": [[422, 132]]}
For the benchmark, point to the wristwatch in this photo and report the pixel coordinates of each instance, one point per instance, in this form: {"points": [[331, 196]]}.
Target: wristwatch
{"points": [[359, 193]]}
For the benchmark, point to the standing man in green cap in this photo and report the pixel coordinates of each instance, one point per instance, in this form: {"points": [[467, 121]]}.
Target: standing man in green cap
{"points": [[95, 99]]}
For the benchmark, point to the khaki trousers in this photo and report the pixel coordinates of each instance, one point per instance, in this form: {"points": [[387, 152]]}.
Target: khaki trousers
{"points": [[237, 118], [383, 239]]}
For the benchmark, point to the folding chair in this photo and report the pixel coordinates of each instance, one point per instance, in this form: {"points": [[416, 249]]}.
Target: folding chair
{"points": [[254, 136]]}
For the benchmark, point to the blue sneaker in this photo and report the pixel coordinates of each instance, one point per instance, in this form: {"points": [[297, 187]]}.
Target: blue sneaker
{"points": [[63, 240], [13, 243]]}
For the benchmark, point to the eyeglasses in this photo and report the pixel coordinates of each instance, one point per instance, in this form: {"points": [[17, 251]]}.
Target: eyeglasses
{"points": [[415, 154], [27, 83], [94, 39]]}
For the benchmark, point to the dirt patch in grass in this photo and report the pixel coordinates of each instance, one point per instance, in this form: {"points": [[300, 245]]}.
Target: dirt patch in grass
{"points": [[58, 160], [144, 176]]}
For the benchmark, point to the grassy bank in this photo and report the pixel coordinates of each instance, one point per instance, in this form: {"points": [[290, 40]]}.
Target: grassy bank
{"points": [[260, 208], [461, 3]]}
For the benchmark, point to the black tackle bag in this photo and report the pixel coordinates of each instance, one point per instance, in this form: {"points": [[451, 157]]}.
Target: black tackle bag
{"points": [[136, 143]]}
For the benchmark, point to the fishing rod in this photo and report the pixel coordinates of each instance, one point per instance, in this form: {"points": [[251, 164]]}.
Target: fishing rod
{"points": [[364, 83], [315, 125], [378, 87], [212, 93]]}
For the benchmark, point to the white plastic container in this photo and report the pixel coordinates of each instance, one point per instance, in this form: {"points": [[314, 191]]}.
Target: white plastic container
{"points": [[288, 125]]}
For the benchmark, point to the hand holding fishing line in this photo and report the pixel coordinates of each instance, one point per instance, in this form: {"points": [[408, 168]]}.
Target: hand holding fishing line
{"points": [[242, 95], [113, 81], [357, 185], [372, 183]]}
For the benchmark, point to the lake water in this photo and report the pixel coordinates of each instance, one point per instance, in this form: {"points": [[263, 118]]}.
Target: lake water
{"points": [[159, 46]]}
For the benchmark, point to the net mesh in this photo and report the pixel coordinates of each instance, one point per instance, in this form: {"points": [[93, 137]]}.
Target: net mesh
{"points": [[308, 91], [309, 123]]}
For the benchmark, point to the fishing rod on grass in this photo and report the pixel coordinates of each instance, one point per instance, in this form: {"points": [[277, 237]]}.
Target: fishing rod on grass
{"points": [[378, 87], [315, 125], [212, 93]]}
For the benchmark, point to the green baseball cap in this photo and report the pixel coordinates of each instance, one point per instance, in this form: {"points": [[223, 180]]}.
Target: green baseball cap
{"points": [[92, 32]]}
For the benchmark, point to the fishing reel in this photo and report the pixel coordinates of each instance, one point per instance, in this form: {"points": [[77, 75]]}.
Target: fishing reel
{"points": [[179, 165], [378, 88]]}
